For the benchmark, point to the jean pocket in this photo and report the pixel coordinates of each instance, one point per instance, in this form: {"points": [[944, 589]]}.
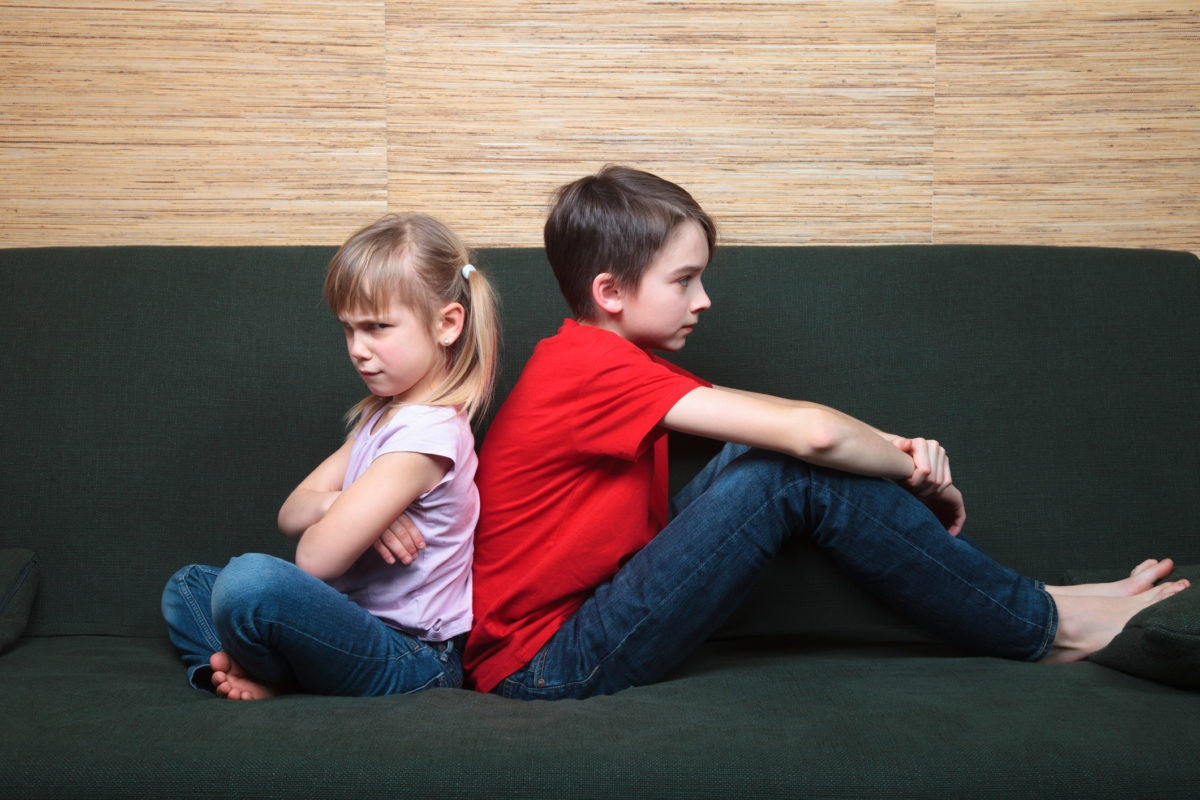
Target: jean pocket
{"points": [[547, 677]]}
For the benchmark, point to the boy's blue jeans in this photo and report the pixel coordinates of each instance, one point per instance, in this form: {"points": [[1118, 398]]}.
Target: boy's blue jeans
{"points": [[729, 522], [291, 630]]}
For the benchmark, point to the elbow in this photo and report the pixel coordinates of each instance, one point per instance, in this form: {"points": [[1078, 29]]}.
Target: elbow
{"points": [[823, 435], [312, 560]]}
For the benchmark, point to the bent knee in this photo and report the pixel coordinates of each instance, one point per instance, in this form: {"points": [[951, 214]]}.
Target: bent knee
{"points": [[184, 587], [252, 580]]}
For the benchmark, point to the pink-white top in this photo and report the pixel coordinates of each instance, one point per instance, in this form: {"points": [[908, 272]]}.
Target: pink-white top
{"points": [[430, 598]]}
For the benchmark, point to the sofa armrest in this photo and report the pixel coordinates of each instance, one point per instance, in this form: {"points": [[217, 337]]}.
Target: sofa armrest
{"points": [[18, 587]]}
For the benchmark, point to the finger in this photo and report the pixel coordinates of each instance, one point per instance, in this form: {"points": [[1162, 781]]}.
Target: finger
{"points": [[406, 529], [403, 550], [937, 462], [921, 465], [384, 553]]}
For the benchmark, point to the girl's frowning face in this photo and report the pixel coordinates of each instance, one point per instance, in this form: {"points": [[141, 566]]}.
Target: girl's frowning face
{"points": [[394, 351]]}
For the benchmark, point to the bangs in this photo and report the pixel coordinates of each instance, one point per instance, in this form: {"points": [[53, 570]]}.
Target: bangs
{"points": [[371, 281]]}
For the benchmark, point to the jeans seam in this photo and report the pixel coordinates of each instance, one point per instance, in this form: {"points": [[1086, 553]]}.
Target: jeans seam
{"points": [[728, 542], [1051, 625], [942, 565], [210, 635]]}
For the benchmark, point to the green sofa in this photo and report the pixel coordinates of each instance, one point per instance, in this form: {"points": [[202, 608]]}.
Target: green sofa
{"points": [[159, 403]]}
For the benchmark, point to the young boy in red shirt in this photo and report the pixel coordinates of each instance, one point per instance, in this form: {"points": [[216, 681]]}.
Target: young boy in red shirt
{"points": [[586, 581]]}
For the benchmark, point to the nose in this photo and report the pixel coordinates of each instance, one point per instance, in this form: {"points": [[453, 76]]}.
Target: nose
{"points": [[356, 344], [701, 301]]}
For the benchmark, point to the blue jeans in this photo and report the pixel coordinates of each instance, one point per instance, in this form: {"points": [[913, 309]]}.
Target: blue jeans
{"points": [[293, 631], [729, 522]]}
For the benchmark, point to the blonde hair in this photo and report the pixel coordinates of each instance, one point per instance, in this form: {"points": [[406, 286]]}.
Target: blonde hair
{"points": [[417, 261]]}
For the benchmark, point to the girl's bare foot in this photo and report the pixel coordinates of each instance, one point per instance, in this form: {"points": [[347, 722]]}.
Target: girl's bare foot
{"points": [[230, 681], [1087, 623], [1141, 578]]}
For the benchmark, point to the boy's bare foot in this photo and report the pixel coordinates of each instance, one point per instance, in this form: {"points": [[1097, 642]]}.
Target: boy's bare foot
{"points": [[230, 681], [1087, 623], [1141, 578]]}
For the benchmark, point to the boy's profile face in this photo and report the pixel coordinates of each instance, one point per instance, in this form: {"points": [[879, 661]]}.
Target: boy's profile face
{"points": [[666, 305]]}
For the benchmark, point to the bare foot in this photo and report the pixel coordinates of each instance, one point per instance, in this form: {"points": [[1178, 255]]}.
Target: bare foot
{"points": [[230, 681], [1141, 578], [1087, 623]]}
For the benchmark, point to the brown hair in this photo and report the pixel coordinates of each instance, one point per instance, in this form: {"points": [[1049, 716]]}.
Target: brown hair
{"points": [[417, 261], [615, 221]]}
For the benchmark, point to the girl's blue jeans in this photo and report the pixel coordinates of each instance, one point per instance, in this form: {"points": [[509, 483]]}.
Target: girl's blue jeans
{"points": [[728, 522], [293, 631]]}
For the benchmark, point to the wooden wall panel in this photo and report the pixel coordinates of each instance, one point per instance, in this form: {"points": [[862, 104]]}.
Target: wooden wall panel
{"points": [[791, 122], [891, 121], [143, 121], [1068, 123]]}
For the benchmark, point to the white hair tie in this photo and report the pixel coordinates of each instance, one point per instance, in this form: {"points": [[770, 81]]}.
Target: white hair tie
{"points": [[467, 270]]}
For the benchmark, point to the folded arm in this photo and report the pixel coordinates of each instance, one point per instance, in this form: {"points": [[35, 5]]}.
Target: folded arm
{"points": [[808, 431], [823, 436], [334, 527]]}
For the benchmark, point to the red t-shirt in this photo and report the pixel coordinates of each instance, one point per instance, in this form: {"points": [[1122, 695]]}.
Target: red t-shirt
{"points": [[573, 481]]}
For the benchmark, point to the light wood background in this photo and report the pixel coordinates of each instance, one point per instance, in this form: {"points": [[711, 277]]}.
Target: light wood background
{"points": [[855, 121]]}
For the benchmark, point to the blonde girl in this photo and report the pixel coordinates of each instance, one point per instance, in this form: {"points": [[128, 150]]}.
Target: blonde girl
{"points": [[387, 521]]}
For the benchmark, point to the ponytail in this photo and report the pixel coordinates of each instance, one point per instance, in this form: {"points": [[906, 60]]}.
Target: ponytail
{"points": [[474, 357]]}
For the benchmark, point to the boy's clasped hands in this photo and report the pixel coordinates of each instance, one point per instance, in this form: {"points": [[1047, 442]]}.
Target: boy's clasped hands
{"points": [[932, 482]]}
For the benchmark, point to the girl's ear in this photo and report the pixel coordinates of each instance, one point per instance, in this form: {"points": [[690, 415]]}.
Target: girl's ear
{"points": [[449, 323], [606, 294]]}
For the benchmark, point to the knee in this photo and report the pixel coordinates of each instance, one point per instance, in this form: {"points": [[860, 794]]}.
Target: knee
{"points": [[253, 584], [181, 589], [754, 465], [173, 589], [245, 581]]}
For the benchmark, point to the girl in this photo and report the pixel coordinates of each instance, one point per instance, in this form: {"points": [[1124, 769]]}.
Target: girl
{"points": [[421, 329]]}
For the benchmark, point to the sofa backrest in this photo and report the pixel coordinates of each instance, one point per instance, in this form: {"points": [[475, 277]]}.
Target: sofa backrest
{"points": [[159, 403]]}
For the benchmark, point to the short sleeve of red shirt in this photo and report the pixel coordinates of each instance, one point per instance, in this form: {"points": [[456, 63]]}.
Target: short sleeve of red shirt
{"points": [[573, 481]]}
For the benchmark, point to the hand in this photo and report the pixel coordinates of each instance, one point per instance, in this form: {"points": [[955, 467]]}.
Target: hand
{"points": [[932, 482], [931, 466], [401, 542], [947, 505]]}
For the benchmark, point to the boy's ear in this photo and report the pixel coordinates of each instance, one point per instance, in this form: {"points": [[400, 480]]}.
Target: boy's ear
{"points": [[606, 294], [449, 324]]}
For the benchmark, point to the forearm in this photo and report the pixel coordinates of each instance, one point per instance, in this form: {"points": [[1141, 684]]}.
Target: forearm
{"points": [[808, 431], [830, 438], [326, 551], [358, 516], [303, 509]]}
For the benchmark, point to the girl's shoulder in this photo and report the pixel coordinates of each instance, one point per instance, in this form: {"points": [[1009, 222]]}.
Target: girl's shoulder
{"points": [[415, 418]]}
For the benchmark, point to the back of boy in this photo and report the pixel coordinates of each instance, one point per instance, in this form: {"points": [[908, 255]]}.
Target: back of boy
{"points": [[574, 467]]}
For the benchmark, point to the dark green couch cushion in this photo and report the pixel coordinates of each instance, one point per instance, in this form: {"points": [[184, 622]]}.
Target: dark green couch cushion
{"points": [[1161, 643], [18, 587], [190, 389], [103, 717]]}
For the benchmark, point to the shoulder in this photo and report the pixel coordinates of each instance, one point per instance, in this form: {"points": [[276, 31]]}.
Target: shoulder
{"points": [[588, 350], [435, 430]]}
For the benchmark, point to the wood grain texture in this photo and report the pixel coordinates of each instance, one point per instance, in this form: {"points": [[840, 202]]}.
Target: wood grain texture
{"points": [[792, 121], [141, 121], [1068, 123]]}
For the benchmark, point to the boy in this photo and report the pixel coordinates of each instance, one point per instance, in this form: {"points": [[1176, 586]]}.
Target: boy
{"points": [[586, 583]]}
